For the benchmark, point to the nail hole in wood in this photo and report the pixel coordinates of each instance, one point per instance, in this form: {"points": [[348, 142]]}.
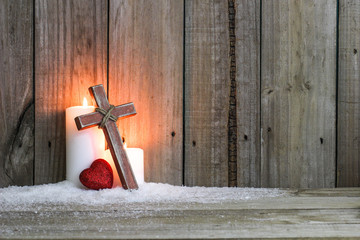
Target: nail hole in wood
{"points": [[173, 134], [355, 51], [269, 129], [193, 143], [49, 144], [123, 139], [245, 137], [321, 140], [89, 43]]}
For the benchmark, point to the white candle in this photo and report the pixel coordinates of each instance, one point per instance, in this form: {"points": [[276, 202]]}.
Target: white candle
{"points": [[82, 147], [136, 159], [107, 156]]}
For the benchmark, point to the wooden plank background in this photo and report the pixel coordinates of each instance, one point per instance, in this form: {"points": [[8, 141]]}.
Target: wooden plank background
{"points": [[349, 95], [228, 93], [146, 57], [247, 53], [298, 95], [16, 93], [70, 56], [207, 88]]}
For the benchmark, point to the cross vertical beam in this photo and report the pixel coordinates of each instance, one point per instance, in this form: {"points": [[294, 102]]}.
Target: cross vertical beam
{"points": [[112, 137]]}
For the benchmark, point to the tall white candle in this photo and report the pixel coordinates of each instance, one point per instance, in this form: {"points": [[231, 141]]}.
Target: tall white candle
{"points": [[82, 147], [136, 159]]}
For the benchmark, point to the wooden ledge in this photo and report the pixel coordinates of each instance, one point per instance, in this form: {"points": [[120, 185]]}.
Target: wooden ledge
{"points": [[321, 213]]}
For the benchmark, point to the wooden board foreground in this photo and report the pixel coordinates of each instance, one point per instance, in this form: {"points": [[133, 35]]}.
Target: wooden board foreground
{"points": [[320, 213]]}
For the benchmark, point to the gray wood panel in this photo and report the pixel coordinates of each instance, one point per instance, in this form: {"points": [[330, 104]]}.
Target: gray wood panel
{"points": [[207, 89], [247, 31], [16, 93], [298, 93], [348, 158], [146, 67], [70, 46]]}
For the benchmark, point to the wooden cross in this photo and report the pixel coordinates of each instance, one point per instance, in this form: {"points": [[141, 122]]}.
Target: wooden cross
{"points": [[111, 132]]}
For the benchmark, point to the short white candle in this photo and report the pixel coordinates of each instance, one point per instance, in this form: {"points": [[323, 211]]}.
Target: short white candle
{"points": [[107, 156], [82, 147], [136, 159]]}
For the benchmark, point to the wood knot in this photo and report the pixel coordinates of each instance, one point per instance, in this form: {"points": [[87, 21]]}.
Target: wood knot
{"points": [[307, 85], [288, 87]]}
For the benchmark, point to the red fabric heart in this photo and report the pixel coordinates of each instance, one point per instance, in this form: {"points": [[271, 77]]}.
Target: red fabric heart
{"points": [[98, 176]]}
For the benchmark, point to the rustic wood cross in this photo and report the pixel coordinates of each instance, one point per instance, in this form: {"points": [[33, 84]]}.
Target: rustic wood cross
{"points": [[111, 132]]}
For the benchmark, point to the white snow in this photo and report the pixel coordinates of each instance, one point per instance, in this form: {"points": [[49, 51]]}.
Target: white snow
{"points": [[65, 193]]}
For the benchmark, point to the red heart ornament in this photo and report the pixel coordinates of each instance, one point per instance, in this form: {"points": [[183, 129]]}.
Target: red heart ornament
{"points": [[98, 176]]}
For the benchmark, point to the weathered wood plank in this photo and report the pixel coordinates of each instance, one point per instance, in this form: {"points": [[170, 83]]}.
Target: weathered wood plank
{"points": [[247, 31], [145, 67], [169, 224], [296, 214], [70, 46], [298, 93], [348, 157], [207, 89], [16, 93]]}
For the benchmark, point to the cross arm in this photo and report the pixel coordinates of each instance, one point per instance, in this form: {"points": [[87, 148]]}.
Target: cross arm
{"points": [[95, 118]]}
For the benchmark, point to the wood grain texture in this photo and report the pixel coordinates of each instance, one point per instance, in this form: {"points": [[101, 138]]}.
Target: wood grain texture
{"points": [[348, 158], [297, 215], [16, 93], [247, 31], [70, 46], [298, 93], [177, 224], [145, 67], [207, 89]]}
